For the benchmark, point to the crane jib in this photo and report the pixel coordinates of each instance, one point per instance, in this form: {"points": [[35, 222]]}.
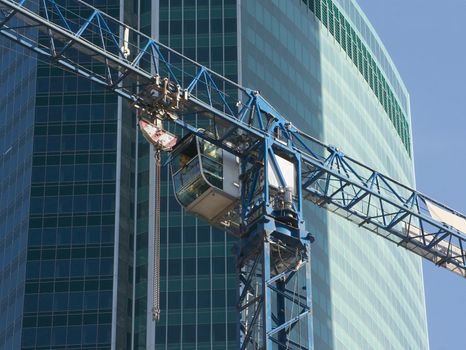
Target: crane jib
{"points": [[249, 124], [252, 120]]}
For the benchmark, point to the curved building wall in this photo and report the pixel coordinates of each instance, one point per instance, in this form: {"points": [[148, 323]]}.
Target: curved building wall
{"points": [[368, 293], [367, 33]]}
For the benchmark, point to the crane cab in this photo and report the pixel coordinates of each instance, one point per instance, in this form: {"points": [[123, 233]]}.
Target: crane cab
{"points": [[205, 178]]}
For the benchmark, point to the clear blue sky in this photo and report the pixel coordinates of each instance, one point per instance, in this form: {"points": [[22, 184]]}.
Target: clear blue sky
{"points": [[426, 40]]}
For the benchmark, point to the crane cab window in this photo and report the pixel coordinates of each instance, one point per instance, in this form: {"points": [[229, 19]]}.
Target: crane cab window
{"points": [[187, 178], [198, 177], [211, 162]]}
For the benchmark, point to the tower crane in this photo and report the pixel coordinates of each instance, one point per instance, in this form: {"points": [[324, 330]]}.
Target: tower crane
{"points": [[242, 166]]}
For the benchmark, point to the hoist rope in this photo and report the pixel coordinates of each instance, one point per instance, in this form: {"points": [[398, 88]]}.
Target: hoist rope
{"points": [[156, 272]]}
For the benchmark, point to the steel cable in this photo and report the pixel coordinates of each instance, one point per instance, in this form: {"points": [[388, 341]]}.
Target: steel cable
{"points": [[156, 272]]}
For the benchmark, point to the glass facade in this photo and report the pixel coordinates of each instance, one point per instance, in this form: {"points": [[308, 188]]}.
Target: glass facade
{"points": [[367, 293], [198, 289], [353, 44], [77, 180], [77, 239], [17, 86], [142, 17]]}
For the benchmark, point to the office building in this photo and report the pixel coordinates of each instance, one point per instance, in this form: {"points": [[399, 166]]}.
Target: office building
{"points": [[80, 254]]}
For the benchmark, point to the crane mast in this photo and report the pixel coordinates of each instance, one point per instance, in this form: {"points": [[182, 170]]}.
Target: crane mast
{"points": [[273, 250]]}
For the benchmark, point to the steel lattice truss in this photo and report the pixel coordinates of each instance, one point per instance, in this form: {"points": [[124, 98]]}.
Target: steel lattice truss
{"points": [[89, 43], [257, 284], [166, 85]]}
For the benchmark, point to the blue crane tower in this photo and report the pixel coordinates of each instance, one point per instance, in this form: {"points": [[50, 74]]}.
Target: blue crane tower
{"points": [[243, 167]]}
